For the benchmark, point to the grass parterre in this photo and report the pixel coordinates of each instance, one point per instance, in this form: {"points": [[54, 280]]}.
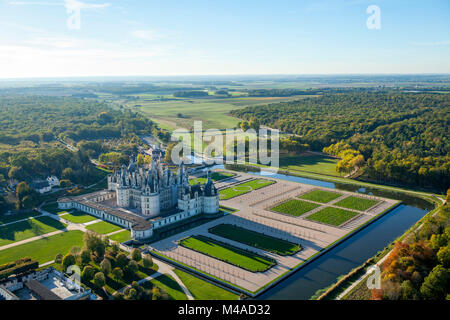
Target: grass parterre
{"points": [[356, 203], [321, 196], [222, 251], [332, 216], [243, 188], [255, 239], [295, 207]]}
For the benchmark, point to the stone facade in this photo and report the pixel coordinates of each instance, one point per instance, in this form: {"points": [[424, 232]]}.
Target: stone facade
{"points": [[148, 198]]}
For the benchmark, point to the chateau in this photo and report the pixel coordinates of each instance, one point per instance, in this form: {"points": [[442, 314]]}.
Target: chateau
{"points": [[145, 199]]}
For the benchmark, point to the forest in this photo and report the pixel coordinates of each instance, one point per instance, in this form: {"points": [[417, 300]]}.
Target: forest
{"points": [[390, 137], [33, 126]]}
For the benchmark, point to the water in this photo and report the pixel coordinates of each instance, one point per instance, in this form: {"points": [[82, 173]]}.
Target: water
{"points": [[354, 251]]}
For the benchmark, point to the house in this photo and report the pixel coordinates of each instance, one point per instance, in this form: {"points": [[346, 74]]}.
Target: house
{"points": [[41, 186], [53, 181]]}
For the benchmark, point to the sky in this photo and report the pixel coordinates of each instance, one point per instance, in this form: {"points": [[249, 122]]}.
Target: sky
{"points": [[178, 37]]}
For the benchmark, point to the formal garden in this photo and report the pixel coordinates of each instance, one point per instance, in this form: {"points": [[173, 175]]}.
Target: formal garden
{"points": [[295, 207], [255, 239], [356, 203], [215, 176], [244, 188], [103, 227], [321, 196], [332, 216], [230, 254], [77, 216]]}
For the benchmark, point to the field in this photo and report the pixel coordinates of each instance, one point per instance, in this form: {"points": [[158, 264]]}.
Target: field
{"points": [[321, 196], [169, 285], [255, 239], [333, 216], [43, 250], [103, 227], [213, 112], [202, 290], [28, 229], [17, 217], [78, 217], [215, 176], [310, 163], [243, 188], [295, 207], [356, 203], [121, 236], [227, 253]]}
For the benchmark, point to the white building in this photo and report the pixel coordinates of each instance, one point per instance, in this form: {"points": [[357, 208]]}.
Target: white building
{"points": [[147, 199]]}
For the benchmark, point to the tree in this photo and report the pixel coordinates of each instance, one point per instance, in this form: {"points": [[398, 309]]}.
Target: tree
{"points": [[99, 279], [443, 256], [68, 261], [140, 160], [65, 183], [88, 273], [122, 260], [85, 256], [106, 266], [147, 261], [408, 290], [117, 273], [132, 294], [244, 125], [434, 286], [59, 258], [75, 250], [136, 254], [133, 266], [156, 293]]}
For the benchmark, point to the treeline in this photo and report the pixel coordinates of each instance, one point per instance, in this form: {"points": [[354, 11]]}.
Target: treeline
{"points": [[42, 119], [281, 92], [190, 94], [402, 137]]}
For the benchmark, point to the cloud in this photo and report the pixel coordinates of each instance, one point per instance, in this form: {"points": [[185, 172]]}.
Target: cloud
{"points": [[431, 44], [146, 34]]}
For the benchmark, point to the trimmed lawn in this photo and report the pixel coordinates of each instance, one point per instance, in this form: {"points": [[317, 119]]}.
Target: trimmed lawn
{"points": [[78, 217], [311, 163], [121, 236], [103, 227], [44, 250], [167, 284], [255, 239], [215, 176], [244, 259], [333, 216], [28, 229], [243, 188], [203, 290], [295, 207], [356, 203], [17, 217], [321, 196]]}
